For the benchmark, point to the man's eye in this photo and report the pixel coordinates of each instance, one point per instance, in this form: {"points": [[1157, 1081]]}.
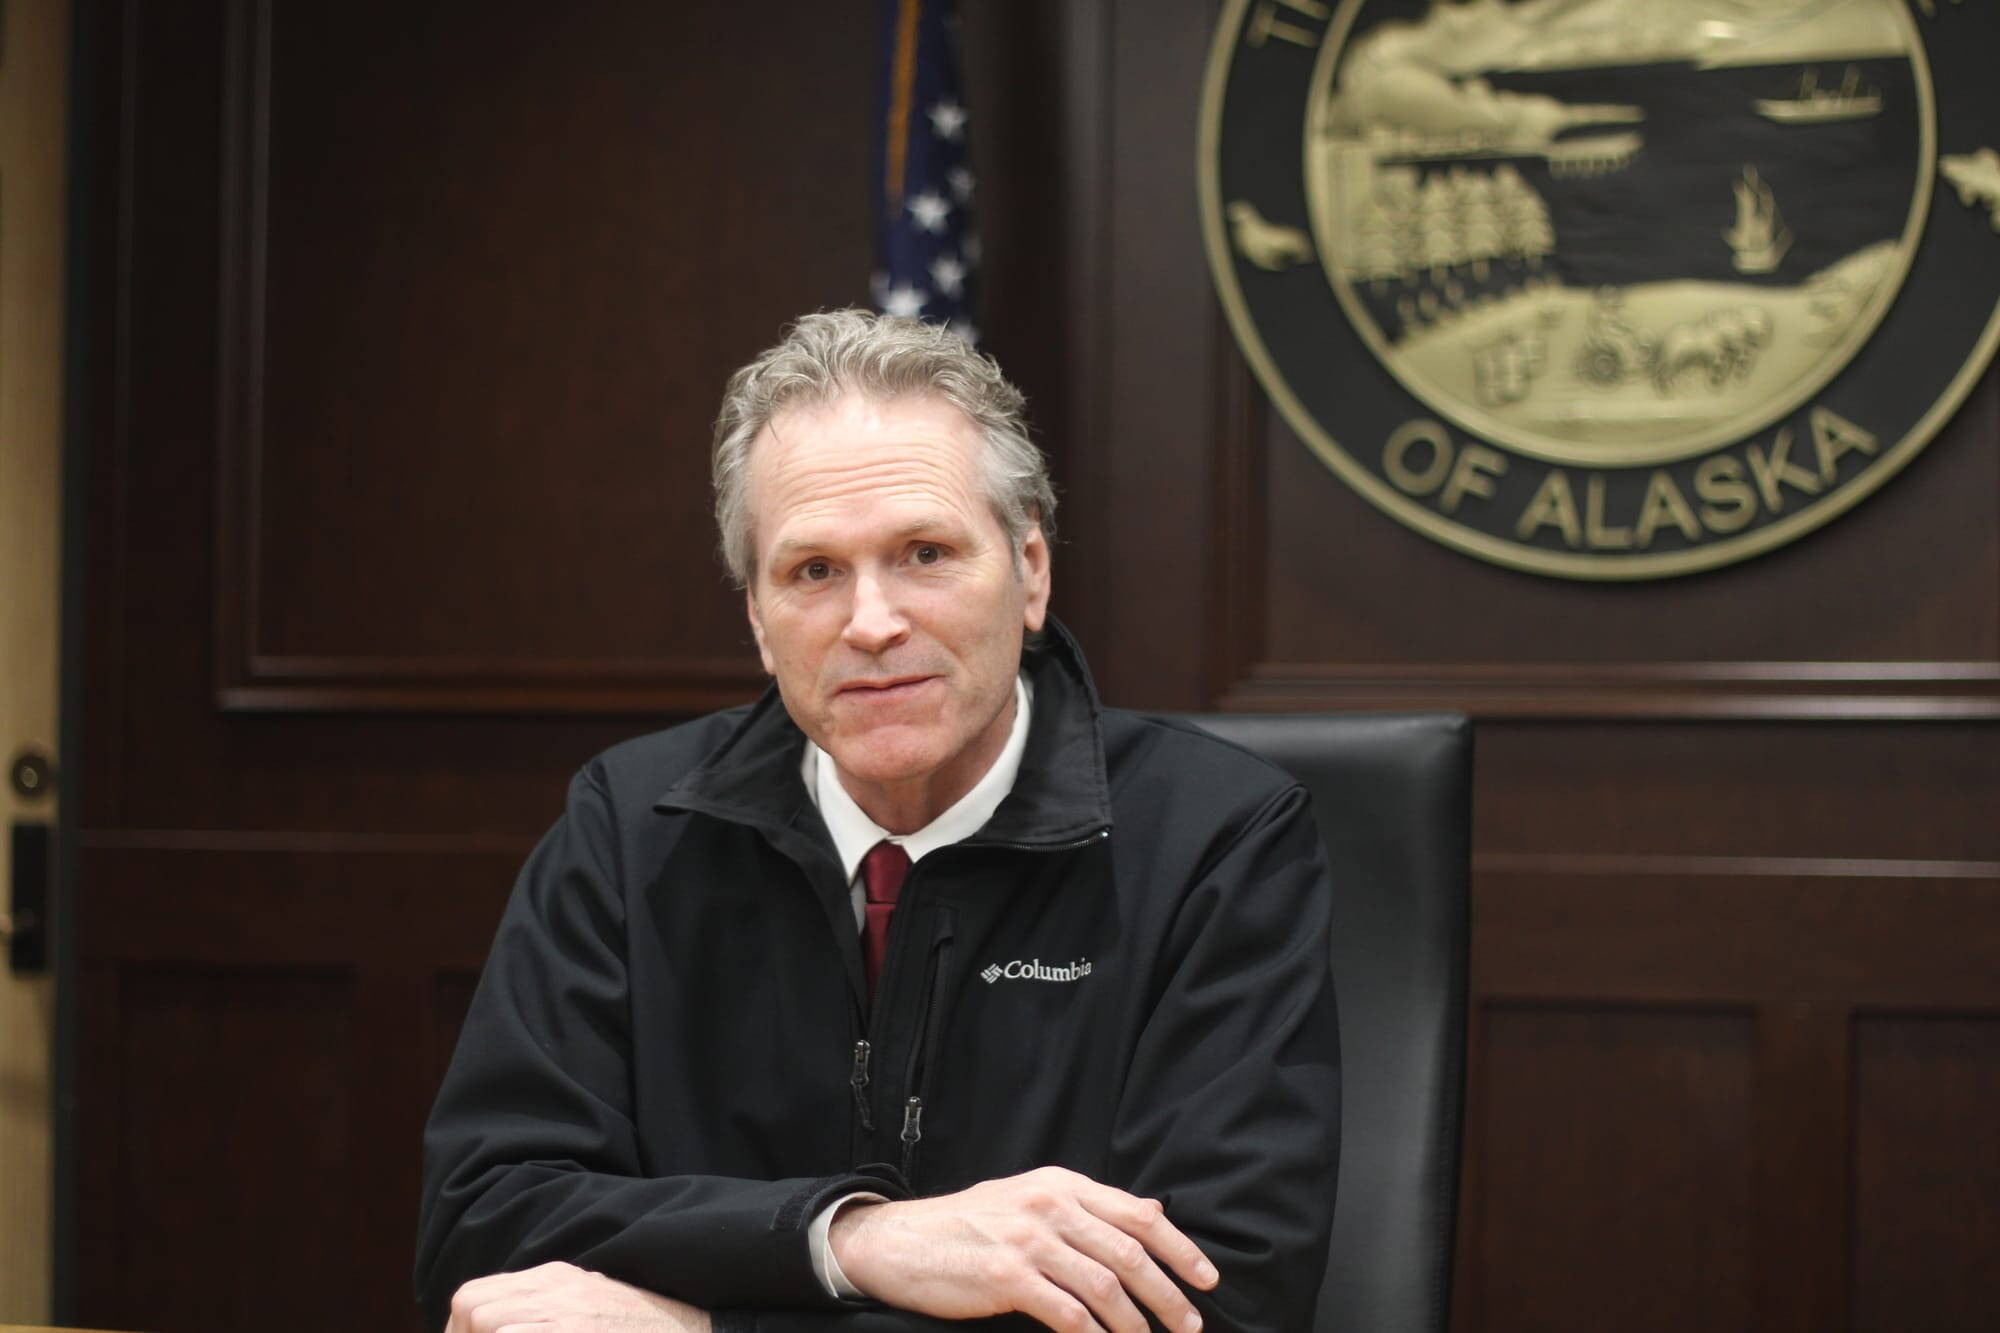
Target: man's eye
{"points": [[815, 571], [928, 555]]}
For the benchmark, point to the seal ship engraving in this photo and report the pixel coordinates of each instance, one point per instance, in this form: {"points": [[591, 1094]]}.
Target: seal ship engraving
{"points": [[1601, 288]]}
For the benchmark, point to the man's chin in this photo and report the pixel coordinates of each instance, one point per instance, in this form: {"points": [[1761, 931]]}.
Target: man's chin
{"points": [[891, 749], [888, 754]]}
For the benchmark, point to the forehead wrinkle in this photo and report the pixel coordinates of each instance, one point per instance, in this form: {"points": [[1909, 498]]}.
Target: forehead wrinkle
{"points": [[838, 479], [803, 487], [888, 483]]}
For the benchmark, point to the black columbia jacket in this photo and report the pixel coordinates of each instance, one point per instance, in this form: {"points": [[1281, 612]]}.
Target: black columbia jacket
{"points": [[669, 1065]]}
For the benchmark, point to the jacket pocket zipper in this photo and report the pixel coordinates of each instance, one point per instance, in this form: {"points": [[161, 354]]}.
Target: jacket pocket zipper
{"points": [[858, 1081], [913, 1134], [922, 1048]]}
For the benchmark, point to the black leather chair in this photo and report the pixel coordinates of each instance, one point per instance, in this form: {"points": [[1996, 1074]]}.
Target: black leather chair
{"points": [[1393, 798]]}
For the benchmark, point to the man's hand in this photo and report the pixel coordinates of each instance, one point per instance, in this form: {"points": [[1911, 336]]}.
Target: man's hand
{"points": [[1052, 1244], [562, 1298]]}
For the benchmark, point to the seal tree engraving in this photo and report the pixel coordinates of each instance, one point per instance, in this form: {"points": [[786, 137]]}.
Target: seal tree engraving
{"points": [[1655, 286]]}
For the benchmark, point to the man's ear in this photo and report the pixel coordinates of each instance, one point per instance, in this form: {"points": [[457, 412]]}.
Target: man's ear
{"points": [[1035, 577], [757, 628]]}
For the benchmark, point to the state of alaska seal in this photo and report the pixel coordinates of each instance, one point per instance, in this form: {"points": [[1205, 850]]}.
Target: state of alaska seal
{"points": [[1602, 288]]}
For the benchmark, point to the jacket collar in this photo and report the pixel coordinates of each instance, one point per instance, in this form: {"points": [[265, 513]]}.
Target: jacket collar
{"points": [[1060, 797]]}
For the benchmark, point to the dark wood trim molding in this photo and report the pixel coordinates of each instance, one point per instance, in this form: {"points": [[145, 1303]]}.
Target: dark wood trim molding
{"points": [[1788, 867], [306, 841], [569, 699], [243, 228], [1750, 691]]}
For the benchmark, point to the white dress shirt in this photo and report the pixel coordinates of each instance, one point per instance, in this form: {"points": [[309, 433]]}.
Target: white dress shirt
{"points": [[853, 834]]}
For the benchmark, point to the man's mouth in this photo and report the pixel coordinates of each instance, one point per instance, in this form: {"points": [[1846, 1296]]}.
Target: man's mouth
{"points": [[886, 688]]}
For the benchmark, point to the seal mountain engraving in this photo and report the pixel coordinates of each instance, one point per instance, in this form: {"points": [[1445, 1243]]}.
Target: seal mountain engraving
{"points": [[1601, 288]]}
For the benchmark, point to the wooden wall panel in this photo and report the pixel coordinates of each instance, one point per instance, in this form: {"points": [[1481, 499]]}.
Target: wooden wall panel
{"points": [[1932, 530], [1661, 1101], [240, 1116], [1841, 935], [1407, 623], [299, 900], [1926, 1206], [1146, 501], [267, 1024], [1812, 954], [1882, 791], [411, 205]]}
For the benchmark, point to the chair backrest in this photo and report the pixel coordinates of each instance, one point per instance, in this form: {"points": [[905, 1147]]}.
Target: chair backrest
{"points": [[1393, 797]]}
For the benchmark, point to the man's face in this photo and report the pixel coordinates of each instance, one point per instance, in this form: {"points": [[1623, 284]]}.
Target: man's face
{"points": [[885, 597]]}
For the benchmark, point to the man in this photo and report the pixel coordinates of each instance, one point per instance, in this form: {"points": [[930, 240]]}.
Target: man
{"points": [[925, 989]]}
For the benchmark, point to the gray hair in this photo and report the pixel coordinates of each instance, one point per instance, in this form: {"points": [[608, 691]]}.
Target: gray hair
{"points": [[827, 355]]}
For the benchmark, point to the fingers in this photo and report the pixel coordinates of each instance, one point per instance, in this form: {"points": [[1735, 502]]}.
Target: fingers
{"points": [[514, 1312], [1053, 1307], [1071, 1267], [1107, 1243], [1123, 1260], [1146, 1221]]}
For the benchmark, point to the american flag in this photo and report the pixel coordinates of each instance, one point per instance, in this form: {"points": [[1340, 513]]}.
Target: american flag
{"points": [[927, 254]]}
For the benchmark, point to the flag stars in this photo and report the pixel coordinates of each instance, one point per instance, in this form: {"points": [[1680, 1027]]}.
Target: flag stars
{"points": [[947, 120], [948, 274], [930, 209], [927, 255], [903, 301]]}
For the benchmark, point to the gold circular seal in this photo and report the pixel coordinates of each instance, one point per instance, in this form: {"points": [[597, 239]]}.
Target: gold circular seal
{"points": [[1604, 291]]}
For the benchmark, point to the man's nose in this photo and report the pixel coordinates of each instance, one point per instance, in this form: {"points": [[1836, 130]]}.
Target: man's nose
{"points": [[874, 623]]}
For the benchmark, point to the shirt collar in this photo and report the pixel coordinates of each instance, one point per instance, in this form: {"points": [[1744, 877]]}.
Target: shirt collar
{"points": [[854, 832]]}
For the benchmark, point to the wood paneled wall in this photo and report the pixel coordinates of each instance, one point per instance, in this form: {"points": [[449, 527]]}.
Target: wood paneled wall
{"points": [[404, 330], [1737, 836]]}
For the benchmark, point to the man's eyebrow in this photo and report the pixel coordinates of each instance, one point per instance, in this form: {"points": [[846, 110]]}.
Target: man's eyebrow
{"points": [[929, 523], [791, 544]]}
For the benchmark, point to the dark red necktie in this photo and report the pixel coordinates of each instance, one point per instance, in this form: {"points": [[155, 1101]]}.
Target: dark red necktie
{"points": [[882, 873]]}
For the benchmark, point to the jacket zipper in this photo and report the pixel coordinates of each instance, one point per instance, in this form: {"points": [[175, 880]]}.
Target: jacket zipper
{"points": [[921, 1048], [913, 1134], [1096, 835], [858, 1081]]}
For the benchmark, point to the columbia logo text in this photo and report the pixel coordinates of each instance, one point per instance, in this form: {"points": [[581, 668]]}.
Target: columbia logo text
{"points": [[1035, 970]]}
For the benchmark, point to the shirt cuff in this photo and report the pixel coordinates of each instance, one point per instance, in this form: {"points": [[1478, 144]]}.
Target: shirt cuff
{"points": [[824, 1264]]}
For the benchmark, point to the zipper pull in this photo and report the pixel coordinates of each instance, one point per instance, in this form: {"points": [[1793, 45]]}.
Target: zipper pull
{"points": [[913, 1133], [858, 1080]]}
